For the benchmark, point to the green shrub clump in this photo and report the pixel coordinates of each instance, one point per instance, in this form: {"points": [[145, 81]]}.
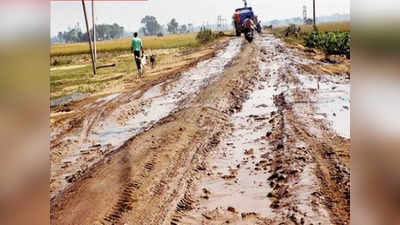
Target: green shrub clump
{"points": [[334, 43], [206, 35]]}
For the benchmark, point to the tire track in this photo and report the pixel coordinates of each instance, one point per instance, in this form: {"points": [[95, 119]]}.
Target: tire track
{"points": [[275, 148], [252, 128], [113, 120]]}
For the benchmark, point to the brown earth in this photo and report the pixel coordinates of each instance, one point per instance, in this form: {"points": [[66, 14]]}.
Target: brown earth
{"points": [[219, 154]]}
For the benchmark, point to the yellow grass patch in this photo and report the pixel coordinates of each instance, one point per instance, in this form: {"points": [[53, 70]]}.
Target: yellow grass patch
{"points": [[152, 42], [325, 27]]}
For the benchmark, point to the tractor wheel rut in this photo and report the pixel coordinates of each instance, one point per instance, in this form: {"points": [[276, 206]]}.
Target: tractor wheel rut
{"points": [[246, 137]]}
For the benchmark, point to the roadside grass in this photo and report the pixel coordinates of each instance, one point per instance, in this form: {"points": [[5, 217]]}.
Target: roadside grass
{"points": [[71, 70], [207, 35], [323, 27], [81, 80], [305, 30], [152, 42], [60, 61], [333, 38], [76, 76]]}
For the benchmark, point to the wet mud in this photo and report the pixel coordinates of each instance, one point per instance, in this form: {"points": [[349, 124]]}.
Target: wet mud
{"points": [[246, 137], [107, 130]]}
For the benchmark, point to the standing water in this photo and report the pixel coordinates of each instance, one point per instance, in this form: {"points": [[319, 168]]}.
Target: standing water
{"points": [[85, 149]]}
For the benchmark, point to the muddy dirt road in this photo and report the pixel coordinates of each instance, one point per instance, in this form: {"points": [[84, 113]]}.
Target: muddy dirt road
{"points": [[248, 136]]}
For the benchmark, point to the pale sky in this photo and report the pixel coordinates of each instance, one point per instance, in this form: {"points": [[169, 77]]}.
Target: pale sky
{"points": [[198, 12]]}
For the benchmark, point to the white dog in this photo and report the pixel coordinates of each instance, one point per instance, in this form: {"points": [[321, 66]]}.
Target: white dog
{"points": [[142, 64]]}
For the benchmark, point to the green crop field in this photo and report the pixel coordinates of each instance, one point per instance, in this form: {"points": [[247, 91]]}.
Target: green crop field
{"points": [[333, 38]]}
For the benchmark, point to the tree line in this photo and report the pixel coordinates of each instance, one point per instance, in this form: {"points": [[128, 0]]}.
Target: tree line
{"points": [[150, 27], [103, 32]]}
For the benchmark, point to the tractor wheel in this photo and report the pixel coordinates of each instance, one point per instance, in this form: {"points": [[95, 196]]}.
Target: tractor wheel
{"points": [[238, 33], [259, 29]]}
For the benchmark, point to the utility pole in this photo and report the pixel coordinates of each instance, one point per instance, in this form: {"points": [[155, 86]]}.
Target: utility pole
{"points": [[314, 12], [90, 39], [219, 22], [94, 34], [225, 26]]}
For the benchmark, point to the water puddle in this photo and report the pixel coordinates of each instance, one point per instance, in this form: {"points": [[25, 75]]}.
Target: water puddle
{"points": [[138, 115], [305, 188], [108, 98], [330, 95], [332, 100], [238, 179], [155, 104], [308, 96], [67, 99]]}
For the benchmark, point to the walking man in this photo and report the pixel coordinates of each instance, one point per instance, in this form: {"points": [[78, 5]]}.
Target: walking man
{"points": [[137, 48]]}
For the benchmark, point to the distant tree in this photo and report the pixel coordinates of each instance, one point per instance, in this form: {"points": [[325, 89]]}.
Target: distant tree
{"points": [[107, 31], [142, 31], [190, 27], [116, 31], [173, 26], [309, 21], [151, 25], [60, 37], [183, 29], [103, 32], [71, 35]]}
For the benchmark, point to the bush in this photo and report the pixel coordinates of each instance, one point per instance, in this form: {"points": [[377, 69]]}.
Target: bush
{"points": [[206, 35], [334, 43], [292, 30]]}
